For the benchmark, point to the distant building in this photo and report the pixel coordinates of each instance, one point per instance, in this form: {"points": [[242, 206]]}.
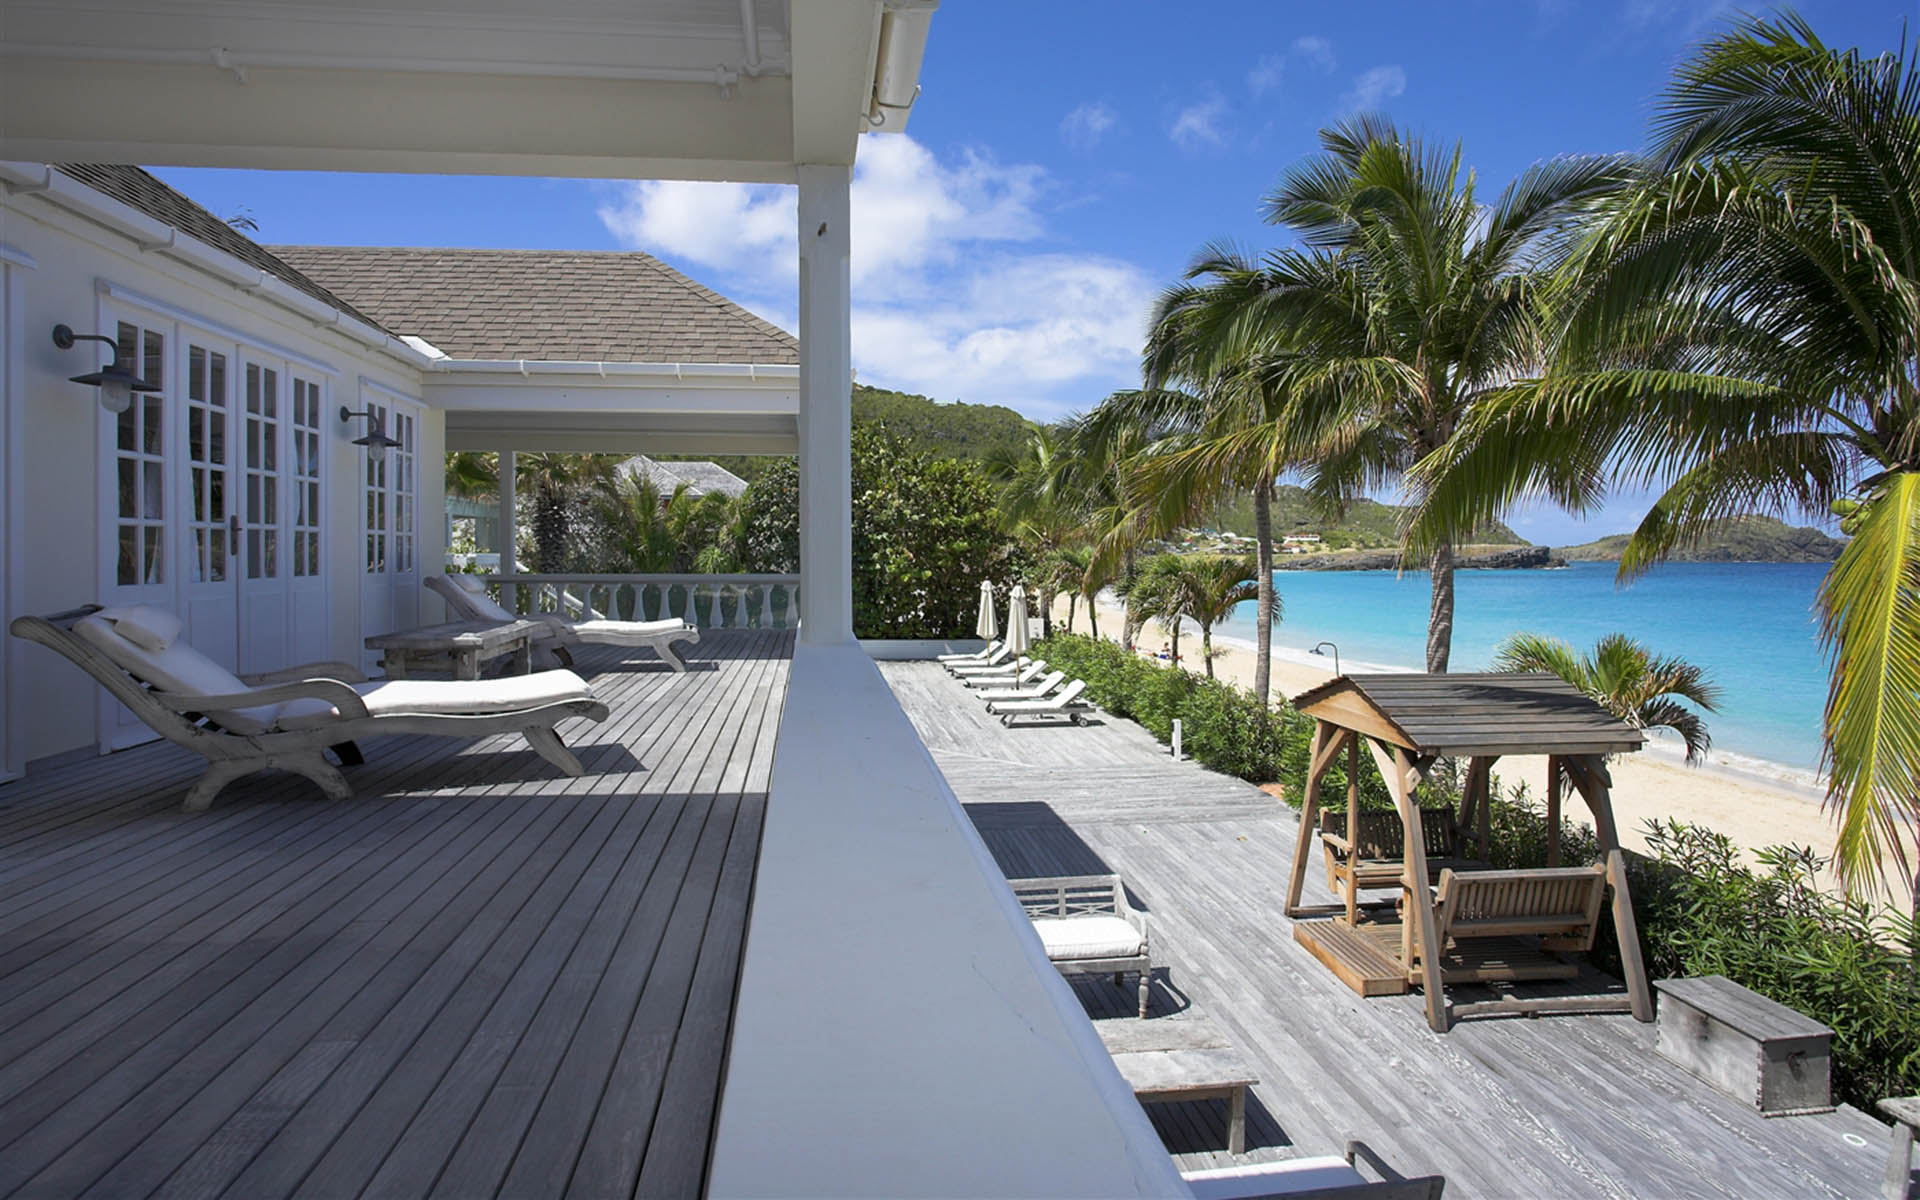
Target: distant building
{"points": [[699, 478]]}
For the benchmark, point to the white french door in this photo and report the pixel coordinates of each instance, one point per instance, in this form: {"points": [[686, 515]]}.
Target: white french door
{"points": [[137, 482], [390, 583], [212, 493]]}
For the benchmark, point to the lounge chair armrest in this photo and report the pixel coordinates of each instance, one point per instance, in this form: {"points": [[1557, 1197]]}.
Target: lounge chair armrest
{"points": [[332, 691], [329, 669]]}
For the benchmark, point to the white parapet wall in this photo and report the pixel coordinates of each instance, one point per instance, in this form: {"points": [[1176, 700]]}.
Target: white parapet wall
{"points": [[899, 1031]]}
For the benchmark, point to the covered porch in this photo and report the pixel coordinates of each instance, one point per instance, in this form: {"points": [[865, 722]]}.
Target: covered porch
{"points": [[477, 977]]}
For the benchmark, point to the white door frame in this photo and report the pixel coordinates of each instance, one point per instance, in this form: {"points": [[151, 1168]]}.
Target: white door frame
{"points": [[14, 264]]}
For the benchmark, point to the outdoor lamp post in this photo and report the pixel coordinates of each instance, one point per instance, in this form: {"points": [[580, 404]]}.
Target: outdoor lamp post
{"points": [[116, 380]]}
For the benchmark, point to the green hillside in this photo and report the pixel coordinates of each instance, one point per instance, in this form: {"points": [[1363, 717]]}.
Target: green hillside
{"points": [[1742, 539], [1368, 524], [957, 430]]}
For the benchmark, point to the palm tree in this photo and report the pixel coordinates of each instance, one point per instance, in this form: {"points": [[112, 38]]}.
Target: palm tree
{"points": [[554, 482], [1215, 585], [1215, 440], [1624, 677], [641, 539], [1159, 590], [1743, 331], [473, 474], [1408, 303]]}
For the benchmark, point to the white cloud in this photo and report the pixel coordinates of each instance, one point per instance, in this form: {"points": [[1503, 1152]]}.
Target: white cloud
{"points": [[1315, 49], [1266, 74], [958, 292], [1198, 124], [1374, 86], [1086, 125]]}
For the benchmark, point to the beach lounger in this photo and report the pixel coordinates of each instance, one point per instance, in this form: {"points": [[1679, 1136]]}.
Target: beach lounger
{"points": [[1033, 691], [978, 656], [1067, 703], [287, 718], [993, 662], [1008, 677], [467, 596]]}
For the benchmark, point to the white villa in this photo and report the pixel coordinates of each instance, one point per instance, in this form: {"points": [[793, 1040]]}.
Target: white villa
{"points": [[750, 943]]}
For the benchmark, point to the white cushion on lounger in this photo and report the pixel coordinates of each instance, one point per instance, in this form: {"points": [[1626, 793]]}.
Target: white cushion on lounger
{"points": [[608, 631], [144, 625], [178, 669], [1272, 1178], [1088, 937], [447, 697]]}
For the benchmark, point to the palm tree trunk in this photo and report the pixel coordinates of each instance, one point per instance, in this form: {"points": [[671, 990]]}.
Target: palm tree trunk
{"points": [[1072, 601], [1440, 615], [1129, 626], [1093, 617], [1206, 647], [1174, 647], [1046, 616], [1263, 606]]}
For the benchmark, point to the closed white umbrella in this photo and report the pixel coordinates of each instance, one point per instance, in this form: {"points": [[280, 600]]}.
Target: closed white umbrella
{"points": [[1017, 627], [986, 627]]}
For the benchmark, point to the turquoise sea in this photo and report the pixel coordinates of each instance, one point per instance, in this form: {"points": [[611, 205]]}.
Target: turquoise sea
{"points": [[1751, 625]]}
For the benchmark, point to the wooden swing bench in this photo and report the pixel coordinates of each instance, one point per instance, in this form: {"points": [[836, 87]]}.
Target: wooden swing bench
{"points": [[1381, 861]]}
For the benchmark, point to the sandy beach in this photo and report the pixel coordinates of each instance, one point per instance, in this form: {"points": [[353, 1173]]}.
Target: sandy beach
{"points": [[1726, 795]]}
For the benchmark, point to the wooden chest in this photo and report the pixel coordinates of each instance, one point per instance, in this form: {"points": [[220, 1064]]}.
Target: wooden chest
{"points": [[1748, 1046]]}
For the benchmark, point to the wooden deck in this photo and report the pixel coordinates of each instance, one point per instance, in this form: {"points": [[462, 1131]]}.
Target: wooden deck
{"points": [[479, 977], [1558, 1106]]}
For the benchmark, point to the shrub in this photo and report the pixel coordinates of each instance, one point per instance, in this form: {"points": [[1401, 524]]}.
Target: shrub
{"points": [[1702, 911]]}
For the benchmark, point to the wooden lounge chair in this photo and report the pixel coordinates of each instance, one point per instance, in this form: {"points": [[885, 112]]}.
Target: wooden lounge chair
{"points": [[467, 596], [287, 718], [993, 662], [978, 656], [1064, 703], [1087, 926], [1009, 677], [1036, 690], [1324, 1177]]}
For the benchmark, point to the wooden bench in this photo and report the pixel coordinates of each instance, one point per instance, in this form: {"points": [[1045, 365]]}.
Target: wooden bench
{"points": [[1749, 1047], [1905, 1111], [1381, 860], [1182, 1058]]}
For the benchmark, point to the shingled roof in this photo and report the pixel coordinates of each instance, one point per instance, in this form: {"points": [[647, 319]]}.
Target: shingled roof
{"points": [[1478, 714], [139, 190], [699, 478], [556, 305]]}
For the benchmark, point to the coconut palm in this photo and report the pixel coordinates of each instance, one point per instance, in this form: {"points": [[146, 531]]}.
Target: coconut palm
{"points": [[1216, 440], [555, 482], [1743, 332], [1624, 677], [1407, 304], [473, 474], [1159, 590], [1216, 584]]}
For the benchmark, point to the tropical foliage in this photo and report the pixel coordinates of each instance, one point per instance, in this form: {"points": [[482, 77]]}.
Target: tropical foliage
{"points": [[1626, 679], [1741, 329]]}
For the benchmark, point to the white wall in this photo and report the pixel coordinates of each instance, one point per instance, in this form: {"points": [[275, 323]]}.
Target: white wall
{"points": [[57, 456]]}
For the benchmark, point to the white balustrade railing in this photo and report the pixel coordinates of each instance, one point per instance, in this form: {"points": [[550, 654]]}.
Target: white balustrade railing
{"points": [[709, 601]]}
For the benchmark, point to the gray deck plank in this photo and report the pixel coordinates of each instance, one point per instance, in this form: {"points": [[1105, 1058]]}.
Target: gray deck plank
{"points": [[1562, 1106], [285, 995]]}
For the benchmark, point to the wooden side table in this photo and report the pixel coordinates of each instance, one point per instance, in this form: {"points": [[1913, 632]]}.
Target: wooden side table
{"points": [[1905, 1111], [1182, 1058], [462, 647]]}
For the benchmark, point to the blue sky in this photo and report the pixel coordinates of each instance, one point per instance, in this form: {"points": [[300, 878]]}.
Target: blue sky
{"points": [[1061, 169]]}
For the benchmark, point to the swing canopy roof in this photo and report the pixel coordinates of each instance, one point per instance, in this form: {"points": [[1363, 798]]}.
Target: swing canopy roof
{"points": [[1461, 716]]}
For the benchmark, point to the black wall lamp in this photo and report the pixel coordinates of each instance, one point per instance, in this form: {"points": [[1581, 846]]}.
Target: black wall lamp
{"points": [[375, 439], [116, 380]]}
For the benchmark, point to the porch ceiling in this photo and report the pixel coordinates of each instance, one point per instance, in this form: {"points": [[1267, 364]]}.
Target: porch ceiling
{"points": [[693, 89], [619, 408], [624, 432]]}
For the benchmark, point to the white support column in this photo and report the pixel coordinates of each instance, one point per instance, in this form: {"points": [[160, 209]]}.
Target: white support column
{"points": [[826, 407], [508, 474]]}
